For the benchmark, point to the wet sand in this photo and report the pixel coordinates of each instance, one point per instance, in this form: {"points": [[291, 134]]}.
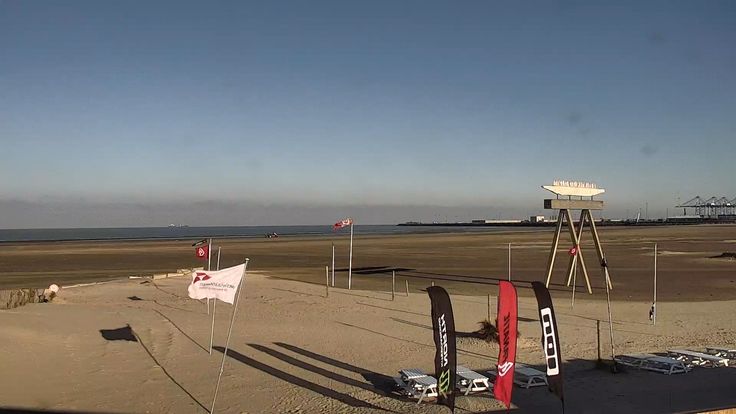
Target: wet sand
{"points": [[686, 271]]}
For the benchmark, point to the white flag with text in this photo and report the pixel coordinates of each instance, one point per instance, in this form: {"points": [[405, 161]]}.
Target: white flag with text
{"points": [[219, 284]]}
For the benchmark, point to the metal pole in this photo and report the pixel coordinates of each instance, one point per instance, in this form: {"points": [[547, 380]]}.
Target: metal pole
{"points": [[333, 264], [509, 262], [229, 331], [393, 284], [407, 286], [610, 322], [218, 257], [327, 281], [350, 262], [212, 331], [654, 302]]}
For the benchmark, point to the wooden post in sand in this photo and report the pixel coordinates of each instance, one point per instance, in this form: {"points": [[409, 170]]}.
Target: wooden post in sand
{"points": [[407, 287], [489, 307], [333, 264], [598, 335], [327, 281], [393, 284]]}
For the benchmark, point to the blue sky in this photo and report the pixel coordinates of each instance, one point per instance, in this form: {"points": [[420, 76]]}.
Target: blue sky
{"points": [[389, 105]]}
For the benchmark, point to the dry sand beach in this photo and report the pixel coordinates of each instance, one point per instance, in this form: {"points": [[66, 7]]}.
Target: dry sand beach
{"points": [[141, 345]]}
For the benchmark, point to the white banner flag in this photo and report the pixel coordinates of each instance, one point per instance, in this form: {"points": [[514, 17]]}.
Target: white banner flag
{"points": [[220, 284]]}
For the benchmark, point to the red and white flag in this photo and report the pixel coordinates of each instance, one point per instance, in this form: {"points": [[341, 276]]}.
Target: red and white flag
{"points": [[217, 284], [202, 251], [507, 331], [342, 223]]}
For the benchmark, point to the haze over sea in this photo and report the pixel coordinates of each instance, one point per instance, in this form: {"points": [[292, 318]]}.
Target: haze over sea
{"points": [[143, 233]]}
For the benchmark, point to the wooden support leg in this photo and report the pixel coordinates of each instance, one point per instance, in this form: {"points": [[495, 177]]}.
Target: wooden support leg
{"points": [[574, 258], [599, 249], [553, 252], [574, 238]]}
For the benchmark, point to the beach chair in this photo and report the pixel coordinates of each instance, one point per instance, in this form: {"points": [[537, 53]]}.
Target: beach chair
{"points": [[526, 376], [402, 382], [416, 384], [721, 351], [698, 358], [655, 363], [470, 381]]}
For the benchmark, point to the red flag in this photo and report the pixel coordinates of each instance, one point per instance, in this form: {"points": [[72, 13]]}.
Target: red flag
{"points": [[202, 251], [573, 251], [507, 331], [342, 223]]}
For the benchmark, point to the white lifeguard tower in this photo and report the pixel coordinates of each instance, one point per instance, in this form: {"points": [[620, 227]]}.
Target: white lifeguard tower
{"points": [[576, 195]]}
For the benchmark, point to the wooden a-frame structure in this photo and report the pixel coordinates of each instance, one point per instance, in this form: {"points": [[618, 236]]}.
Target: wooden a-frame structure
{"points": [[565, 217]]}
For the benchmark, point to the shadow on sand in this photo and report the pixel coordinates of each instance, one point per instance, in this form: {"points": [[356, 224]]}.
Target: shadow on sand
{"points": [[127, 333], [300, 382]]}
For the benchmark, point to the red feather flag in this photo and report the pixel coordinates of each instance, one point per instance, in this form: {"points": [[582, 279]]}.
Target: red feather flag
{"points": [[507, 332], [202, 251], [342, 223]]}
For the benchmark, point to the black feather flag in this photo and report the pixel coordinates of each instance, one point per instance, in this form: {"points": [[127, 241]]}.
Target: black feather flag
{"points": [[445, 359], [550, 339]]}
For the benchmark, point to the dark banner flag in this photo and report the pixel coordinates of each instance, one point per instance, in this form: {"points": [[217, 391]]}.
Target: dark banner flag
{"points": [[507, 332], [445, 358], [550, 339]]}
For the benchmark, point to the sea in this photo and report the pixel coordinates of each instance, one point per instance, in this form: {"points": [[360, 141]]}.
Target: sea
{"points": [[183, 232]]}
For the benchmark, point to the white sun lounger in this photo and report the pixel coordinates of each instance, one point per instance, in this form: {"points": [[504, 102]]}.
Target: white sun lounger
{"points": [[649, 362], [721, 351], [698, 358], [526, 376], [470, 381], [416, 384]]}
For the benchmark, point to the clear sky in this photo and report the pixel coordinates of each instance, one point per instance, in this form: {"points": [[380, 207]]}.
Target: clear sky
{"points": [[294, 112]]}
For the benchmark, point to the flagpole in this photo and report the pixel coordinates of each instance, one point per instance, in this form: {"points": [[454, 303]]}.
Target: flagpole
{"points": [[350, 262], [209, 254], [229, 331], [209, 267], [509, 262], [212, 331], [610, 317], [214, 306], [333, 264], [654, 303]]}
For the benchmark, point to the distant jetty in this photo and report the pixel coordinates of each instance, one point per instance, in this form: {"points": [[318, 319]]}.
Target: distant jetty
{"points": [[603, 222]]}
